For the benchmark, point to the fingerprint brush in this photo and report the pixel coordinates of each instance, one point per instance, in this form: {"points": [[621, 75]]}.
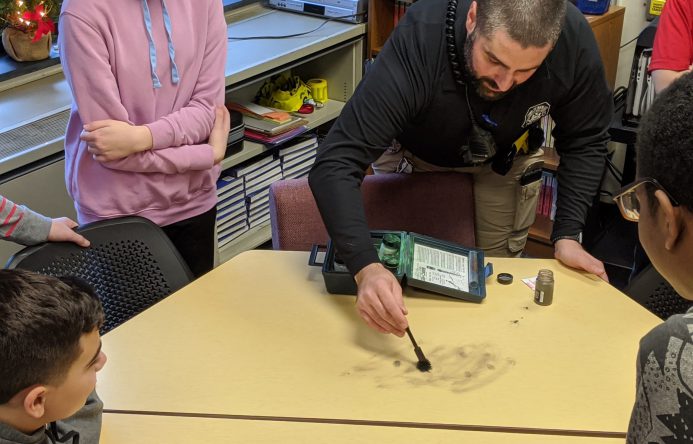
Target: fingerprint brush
{"points": [[424, 364]]}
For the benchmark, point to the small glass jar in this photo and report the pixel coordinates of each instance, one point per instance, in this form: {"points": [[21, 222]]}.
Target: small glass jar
{"points": [[389, 246], [391, 263], [543, 288]]}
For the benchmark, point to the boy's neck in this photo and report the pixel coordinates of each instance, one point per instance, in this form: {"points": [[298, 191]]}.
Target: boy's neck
{"points": [[18, 420]]}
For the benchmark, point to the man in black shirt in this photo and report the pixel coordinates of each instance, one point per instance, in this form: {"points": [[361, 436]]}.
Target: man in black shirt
{"points": [[461, 85]]}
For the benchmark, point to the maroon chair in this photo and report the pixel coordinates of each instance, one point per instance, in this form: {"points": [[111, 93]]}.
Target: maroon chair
{"points": [[440, 205]]}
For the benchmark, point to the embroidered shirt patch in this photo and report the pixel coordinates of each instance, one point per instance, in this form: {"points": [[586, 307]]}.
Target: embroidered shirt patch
{"points": [[536, 112]]}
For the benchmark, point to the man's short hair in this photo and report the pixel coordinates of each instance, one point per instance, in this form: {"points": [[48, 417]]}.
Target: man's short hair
{"points": [[42, 319], [665, 141], [528, 22]]}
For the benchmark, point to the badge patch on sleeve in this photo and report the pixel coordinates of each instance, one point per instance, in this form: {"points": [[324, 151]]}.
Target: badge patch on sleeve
{"points": [[536, 112]]}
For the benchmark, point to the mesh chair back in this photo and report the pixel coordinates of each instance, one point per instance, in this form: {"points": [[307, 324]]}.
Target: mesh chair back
{"points": [[131, 264], [651, 291]]}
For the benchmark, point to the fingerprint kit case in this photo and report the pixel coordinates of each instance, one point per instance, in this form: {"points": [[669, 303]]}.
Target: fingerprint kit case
{"points": [[419, 261]]}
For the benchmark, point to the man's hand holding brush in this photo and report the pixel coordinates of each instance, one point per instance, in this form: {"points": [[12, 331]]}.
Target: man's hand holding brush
{"points": [[380, 301]]}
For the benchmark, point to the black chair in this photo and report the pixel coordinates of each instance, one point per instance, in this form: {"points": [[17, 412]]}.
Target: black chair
{"points": [[650, 290], [131, 264]]}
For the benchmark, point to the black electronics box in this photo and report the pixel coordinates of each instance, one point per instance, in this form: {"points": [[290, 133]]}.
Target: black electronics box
{"points": [[420, 261], [234, 145]]}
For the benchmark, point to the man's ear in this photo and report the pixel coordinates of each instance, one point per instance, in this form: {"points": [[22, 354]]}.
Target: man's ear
{"points": [[470, 23], [35, 402], [671, 219]]}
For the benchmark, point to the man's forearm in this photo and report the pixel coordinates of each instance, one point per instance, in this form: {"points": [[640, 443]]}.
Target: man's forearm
{"points": [[663, 78]]}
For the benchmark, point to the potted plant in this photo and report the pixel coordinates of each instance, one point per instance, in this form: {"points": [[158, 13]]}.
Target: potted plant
{"points": [[28, 28]]}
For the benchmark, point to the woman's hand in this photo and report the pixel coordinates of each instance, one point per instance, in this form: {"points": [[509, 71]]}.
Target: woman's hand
{"points": [[219, 136], [109, 140]]}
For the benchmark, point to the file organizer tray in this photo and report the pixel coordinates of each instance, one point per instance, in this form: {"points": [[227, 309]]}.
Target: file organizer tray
{"points": [[424, 262]]}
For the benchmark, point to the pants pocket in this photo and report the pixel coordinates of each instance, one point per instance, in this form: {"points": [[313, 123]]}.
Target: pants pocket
{"points": [[525, 213]]}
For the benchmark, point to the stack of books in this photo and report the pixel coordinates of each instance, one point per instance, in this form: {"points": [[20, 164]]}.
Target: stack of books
{"points": [[269, 126], [232, 219], [258, 208], [298, 157], [257, 176]]}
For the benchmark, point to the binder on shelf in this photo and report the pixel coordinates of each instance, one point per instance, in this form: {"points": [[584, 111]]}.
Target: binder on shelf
{"points": [[301, 143], [260, 221], [228, 185], [261, 177], [230, 193], [271, 128], [261, 202], [260, 213], [307, 158], [251, 165], [296, 154], [263, 172], [259, 198], [232, 233], [231, 202], [231, 228], [300, 171], [229, 214], [264, 184], [273, 141], [308, 162], [255, 207], [251, 109], [232, 222], [234, 143]]}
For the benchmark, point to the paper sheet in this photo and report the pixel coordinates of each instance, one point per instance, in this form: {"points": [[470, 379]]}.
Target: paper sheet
{"points": [[441, 267]]}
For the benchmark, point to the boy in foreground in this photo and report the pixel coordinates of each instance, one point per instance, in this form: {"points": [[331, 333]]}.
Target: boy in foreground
{"points": [[50, 352]]}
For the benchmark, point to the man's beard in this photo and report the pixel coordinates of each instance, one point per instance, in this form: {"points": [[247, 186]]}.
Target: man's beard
{"points": [[483, 85]]}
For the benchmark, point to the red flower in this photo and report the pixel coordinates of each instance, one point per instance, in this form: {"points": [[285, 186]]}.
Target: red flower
{"points": [[44, 25]]}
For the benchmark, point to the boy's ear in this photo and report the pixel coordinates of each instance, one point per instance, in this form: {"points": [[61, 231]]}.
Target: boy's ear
{"points": [[671, 218], [35, 402]]}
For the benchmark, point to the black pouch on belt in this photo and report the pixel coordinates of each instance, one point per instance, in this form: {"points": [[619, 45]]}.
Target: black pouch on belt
{"points": [[503, 160]]}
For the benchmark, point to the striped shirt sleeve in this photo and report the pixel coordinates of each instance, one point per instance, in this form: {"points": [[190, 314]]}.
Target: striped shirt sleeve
{"points": [[20, 224]]}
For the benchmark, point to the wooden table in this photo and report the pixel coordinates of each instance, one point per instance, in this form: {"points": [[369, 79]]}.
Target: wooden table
{"points": [[259, 338], [141, 429]]}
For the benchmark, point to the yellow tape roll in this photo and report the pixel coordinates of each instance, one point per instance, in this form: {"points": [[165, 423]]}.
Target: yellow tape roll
{"points": [[318, 89]]}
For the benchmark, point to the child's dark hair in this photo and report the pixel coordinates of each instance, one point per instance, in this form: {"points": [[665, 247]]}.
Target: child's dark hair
{"points": [[665, 141], [42, 319]]}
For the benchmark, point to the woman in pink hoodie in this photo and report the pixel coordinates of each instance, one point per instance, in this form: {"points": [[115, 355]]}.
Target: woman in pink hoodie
{"points": [[147, 128]]}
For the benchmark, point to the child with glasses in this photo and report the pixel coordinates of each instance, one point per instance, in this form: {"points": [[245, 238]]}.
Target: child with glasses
{"points": [[661, 202]]}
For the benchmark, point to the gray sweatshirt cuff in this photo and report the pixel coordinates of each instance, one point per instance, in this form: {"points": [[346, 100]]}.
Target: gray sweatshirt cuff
{"points": [[32, 229]]}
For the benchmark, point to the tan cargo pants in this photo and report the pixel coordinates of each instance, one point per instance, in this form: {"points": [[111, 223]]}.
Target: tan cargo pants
{"points": [[504, 209]]}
